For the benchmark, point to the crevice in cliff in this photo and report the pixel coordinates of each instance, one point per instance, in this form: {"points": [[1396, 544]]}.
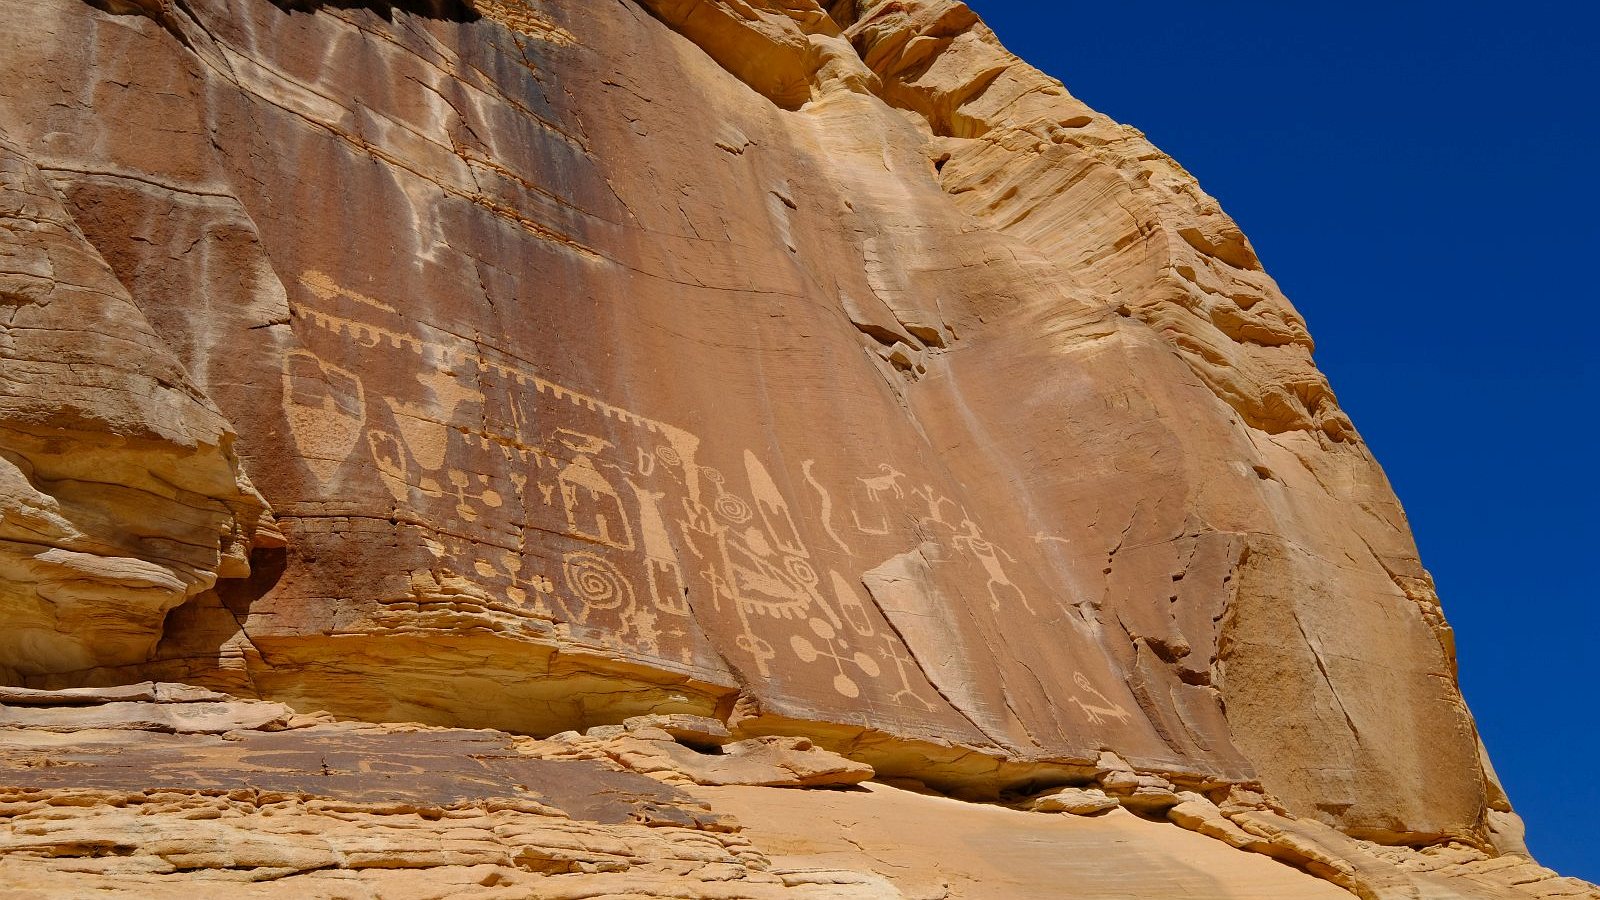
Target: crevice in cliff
{"points": [[928, 675], [158, 11], [1327, 679], [446, 10], [1420, 591]]}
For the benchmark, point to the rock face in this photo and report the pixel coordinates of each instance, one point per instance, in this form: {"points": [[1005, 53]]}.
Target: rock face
{"points": [[120, 495], [820, 369], [138, 791], [102, 801]]}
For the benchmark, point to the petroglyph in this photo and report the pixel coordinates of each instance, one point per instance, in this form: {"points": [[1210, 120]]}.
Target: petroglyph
{"points": [[596, 582], [825, 499], [325, 406], [774, 509], [1097, 712], [594, 508], [1002, 591], [834, 648], [963, 540], [855, 611], [665, 575], [605, 520], [904, 665], [887, 483]]}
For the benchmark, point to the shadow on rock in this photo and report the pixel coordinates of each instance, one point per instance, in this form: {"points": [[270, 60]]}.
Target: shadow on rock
{"points": [[449, 10]]}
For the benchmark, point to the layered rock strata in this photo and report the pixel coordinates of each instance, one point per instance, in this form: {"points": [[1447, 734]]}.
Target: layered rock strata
{"points": [[186, 790], [162, 790], [820, 369]]}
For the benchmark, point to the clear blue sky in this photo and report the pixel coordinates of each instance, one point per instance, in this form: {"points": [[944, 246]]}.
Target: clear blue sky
{"points": [[1421, 179]]}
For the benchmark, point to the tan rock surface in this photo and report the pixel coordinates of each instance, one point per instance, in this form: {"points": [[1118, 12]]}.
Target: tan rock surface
{"points": [[937, 848], [821, 370], [120, 495], [763, 761], [325, 809], [933, 847], [306, 806]]}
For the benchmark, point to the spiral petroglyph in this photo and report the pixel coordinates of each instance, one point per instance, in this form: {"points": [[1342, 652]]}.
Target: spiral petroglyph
{"points": [[732, 508], [596, 581]]}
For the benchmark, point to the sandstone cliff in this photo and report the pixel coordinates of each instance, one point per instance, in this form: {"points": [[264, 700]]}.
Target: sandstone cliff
{"points": [[820, 369]]}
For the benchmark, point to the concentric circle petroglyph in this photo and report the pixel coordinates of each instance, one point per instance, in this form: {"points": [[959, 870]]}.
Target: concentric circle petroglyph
{"points": [[596, 581]]}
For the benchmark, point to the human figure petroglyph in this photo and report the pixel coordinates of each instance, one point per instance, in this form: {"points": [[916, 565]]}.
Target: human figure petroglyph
{"points": [[936, 503], [667, 589], [1001, 588], [1097, 713], [593, 506], [902, 662]]}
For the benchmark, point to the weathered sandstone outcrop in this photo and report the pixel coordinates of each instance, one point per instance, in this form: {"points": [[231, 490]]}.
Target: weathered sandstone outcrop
{"points": [[162, 789], [820, 370], [129, 797], [120, 496]]}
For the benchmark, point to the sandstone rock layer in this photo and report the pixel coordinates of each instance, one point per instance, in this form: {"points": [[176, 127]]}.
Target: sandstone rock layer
{"points": [[140, 792], [820, 369]]}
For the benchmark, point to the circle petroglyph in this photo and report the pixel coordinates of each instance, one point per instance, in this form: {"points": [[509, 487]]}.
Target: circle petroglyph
{"points": [[801, 571], [823, 629], [732, 508], [803, 649], [868, 665], [844, 685], [596, 581], [669, 456]]}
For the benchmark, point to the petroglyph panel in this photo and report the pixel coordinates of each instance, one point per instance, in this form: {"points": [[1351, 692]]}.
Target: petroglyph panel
{"points": [[624, 532], [610, 525]]}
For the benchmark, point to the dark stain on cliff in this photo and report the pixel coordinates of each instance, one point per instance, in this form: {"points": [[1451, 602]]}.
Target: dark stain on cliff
{"points": [[448, 10]]}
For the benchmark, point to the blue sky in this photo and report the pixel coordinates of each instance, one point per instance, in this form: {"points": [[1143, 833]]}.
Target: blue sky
{"points": [[1421, 180]]}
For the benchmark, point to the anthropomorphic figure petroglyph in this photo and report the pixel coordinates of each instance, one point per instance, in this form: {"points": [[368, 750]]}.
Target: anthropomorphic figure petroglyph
{"points": [[1001, 588]]}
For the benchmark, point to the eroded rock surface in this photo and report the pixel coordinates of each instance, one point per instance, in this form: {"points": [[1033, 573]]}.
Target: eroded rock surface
{"points": [[133, 791], [92, 801], [120, 495], [819, 370]]}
